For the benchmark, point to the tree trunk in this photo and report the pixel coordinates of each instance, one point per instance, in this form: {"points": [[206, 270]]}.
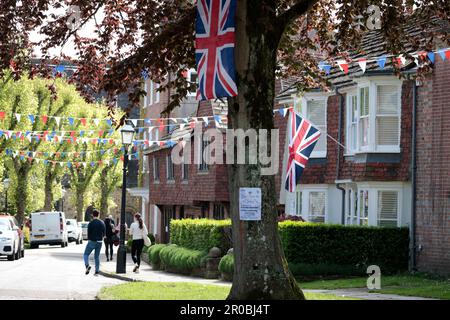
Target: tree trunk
{"points": [[260, 268], [48, 200], [104, 193], [79, 203], [22, 192]]}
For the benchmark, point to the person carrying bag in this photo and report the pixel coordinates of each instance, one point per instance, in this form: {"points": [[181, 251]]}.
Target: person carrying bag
{"points": [[139, 233]]}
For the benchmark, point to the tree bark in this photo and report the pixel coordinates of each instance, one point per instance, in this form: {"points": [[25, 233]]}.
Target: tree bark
{"points": [[48, 200], [79, 203], [260, 269], [22, 172], [104, 193]]}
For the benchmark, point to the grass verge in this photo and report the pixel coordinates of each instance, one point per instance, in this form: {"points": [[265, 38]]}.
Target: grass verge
{"points": [[181, 291], [405, 285]]}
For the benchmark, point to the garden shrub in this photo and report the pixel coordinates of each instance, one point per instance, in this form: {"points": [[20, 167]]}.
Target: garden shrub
{"points": [[201, 234], [153, 253], [182, 259], [226, 264], [353, 247]]}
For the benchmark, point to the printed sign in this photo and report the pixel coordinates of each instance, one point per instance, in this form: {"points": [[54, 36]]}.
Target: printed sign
{"points": [[250, 204]]}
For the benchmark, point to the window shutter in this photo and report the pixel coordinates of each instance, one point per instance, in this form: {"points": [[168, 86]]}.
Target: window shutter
{"points": [[388, 129], [387, 208], [316, 113], [387, 100], [317, 206]]}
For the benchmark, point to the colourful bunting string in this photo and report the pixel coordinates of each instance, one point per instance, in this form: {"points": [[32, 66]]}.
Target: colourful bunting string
{"points": [[400, 60]]}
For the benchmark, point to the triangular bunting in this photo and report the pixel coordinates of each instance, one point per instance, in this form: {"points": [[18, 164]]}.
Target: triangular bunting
{"points": [[362, 64]]}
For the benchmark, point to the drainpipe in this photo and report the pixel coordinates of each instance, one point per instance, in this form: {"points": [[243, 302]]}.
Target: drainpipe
{"points": [[412, 230], [338, 153]]}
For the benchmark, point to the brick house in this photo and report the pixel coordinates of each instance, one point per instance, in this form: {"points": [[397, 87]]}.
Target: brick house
{"points": [[386, 127]]}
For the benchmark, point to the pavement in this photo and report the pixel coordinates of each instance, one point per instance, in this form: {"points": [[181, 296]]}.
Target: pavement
{"points": [[362, 293], [50, 273], [146, 273]]}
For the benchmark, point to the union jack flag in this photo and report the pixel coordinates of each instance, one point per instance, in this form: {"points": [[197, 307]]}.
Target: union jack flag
{"points": [[303, 137], [214, 49]]}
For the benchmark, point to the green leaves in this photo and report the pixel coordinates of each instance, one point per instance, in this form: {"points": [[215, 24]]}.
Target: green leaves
{"points": [[200, 234]]}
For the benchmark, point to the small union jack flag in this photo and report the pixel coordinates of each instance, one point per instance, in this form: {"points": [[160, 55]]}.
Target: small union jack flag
{"points": [[303, 137], [214, 49]]}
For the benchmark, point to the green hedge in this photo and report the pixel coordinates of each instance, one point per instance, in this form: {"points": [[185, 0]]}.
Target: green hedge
{"points": [[311, 248], [181, 259], [226, 264], [351, 246], [153, 253], [201, 234]]}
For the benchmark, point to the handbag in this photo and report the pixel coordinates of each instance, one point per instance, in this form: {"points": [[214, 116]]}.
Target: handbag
{"points": [[115, 240], [147, 240]]}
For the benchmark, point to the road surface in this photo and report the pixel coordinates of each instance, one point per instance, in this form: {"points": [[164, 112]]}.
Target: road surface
{"points": [[49, 273]]}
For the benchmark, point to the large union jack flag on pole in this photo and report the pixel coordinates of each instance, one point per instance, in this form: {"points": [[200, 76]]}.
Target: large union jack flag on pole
{"points": [[303, 137], [214, 49]]}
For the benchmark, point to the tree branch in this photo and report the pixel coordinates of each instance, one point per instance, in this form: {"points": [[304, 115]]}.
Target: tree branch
{"points": [[298, 9]]}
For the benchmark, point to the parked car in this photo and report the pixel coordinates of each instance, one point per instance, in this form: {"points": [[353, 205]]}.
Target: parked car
{"points": [[74, 231], [48, 228], [12, 242], [84, 228]]}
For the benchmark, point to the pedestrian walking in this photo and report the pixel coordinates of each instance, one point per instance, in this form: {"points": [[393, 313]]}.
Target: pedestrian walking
{"points": [[138, 232], [109, 234], [96, 233]]}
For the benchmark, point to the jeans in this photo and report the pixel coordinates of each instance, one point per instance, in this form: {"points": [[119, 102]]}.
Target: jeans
{"points": [[93, 245], [136, 250], [109, 244]]}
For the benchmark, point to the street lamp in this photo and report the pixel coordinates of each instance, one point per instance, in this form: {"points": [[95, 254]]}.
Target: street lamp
{"points": [[127, 133], [6, 184]]}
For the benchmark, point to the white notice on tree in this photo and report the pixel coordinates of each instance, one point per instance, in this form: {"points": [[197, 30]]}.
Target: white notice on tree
{"points": [[250, 204]]}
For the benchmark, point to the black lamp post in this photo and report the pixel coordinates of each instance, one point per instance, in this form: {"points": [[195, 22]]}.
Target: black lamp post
{"points": [[127, 133]]}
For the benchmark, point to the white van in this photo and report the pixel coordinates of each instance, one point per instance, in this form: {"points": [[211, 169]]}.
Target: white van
{"points": [[48, 228]]}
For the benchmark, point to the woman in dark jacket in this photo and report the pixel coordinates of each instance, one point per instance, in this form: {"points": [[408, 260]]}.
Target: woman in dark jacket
{"points": [[109, 233]]}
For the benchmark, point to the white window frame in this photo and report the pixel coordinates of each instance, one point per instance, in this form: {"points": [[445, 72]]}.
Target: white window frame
{"points": [[203, 167], [169, 162], [189, 73], [305, 191], [298, 203], [151, 93], [157, 93], [373, 189], [313, 96], [351, 205], [156, 177], [372, 146], [349, 150], [146, 94]]}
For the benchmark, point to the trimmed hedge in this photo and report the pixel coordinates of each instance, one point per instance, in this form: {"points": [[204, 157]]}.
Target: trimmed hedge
{"points": [[311, 248], [352, 246], [226, 264], [201, 234], [181, 259], [153, 253]]}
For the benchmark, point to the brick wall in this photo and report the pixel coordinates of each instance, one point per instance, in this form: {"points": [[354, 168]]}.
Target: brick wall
{"points": [[433, 172]]}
